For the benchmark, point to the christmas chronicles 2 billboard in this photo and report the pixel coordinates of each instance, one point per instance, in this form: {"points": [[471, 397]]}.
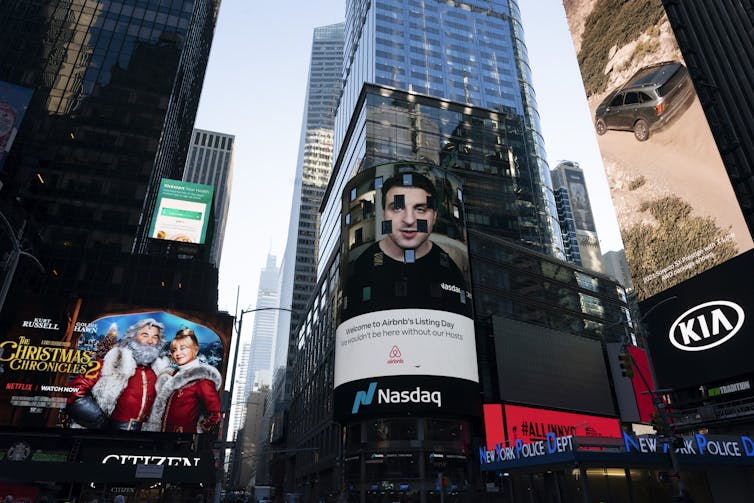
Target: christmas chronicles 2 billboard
{"points": [[104, 366], [673, 199], [530, 424], [405, 337]]}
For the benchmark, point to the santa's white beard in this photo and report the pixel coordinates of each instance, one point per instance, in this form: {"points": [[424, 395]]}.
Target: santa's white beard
{"points": [[144, 354]]}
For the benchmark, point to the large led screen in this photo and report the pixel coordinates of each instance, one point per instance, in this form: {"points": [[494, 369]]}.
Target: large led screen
{"points": [[182, 211], [702, 331], [550, 368], [105, 366], [530, 424], [14, 100], [405, 335], [675, 205]]}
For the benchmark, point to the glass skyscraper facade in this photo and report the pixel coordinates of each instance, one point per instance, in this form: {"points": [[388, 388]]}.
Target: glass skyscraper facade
{"points": [[115, 90], [298, 276], [447, 84], [465, 52], [255, 359]]}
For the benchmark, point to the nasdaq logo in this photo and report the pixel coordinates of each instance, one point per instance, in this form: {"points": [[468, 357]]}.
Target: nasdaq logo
{"points": [[364, 397], [388, 396], [706, 326]]}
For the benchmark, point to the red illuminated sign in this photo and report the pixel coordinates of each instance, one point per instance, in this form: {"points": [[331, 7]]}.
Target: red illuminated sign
{"points": [[530, 424], [641, 368]]}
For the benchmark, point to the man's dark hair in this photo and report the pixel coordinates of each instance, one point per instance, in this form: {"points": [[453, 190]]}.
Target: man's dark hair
{"points": [[410, 180]]}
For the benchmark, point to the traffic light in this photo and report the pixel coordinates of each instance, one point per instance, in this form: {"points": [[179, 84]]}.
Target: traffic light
{"points": [[657, 423], [626, 365]]}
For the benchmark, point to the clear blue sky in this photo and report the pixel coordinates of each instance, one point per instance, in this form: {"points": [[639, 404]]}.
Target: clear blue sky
{"points": [[255, 86]]}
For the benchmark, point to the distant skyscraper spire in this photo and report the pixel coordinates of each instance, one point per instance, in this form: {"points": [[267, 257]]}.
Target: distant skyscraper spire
{"points": [[255, 357]]}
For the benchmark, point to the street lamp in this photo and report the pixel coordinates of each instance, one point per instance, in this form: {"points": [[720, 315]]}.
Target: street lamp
{"points": [[238, 326], [11, 262]]}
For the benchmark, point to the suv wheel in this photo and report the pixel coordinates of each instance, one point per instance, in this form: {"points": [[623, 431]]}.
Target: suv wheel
{"points": [[641, 130], [601, 127]]}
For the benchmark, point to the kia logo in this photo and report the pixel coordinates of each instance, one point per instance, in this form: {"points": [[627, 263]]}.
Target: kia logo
{"points": [[706, 326]]}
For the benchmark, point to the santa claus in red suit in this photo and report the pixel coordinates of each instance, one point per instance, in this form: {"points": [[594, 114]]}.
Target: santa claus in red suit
{"points": [[121, 394], [187, 401]]}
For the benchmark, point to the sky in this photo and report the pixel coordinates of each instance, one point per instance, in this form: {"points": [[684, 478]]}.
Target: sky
{"points": [[255, 87]]}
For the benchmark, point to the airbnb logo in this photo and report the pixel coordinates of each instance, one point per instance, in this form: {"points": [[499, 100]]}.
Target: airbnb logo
{"points": [[395, 356]]}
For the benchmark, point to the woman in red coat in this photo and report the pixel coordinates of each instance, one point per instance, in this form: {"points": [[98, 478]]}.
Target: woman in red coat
{"points": [[187, 401]]}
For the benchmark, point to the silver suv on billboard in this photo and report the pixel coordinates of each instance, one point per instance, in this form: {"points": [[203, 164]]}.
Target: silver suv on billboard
{"points": [[649, 100]]}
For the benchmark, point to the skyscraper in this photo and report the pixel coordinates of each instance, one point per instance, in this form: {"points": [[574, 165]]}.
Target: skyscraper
{"points": [[426, 48], [298, 269], [114, 90], [448, 84], [210, 161], [576, 218], [255, 356], [116, 87], [265, 323]]}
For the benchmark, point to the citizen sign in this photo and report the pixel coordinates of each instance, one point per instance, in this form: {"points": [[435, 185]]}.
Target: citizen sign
{"points": [[128, 459], [706, 326]]}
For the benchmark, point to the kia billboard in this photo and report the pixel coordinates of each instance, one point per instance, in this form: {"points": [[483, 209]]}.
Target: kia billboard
{"points": [[702, 331], [674, 202], [104, 366], [182, 211], [508, 424], [405, 336], [14, 100]]}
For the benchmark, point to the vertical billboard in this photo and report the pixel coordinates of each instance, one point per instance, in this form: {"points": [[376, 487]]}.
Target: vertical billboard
{"points": [[583, 219], [182, 211], [674, 202], [14, 100], [405, 336], [105, 366]]}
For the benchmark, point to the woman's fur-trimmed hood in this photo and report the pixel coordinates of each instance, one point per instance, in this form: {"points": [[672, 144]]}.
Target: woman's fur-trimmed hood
{"points": [[168, 384], [118, 367]]}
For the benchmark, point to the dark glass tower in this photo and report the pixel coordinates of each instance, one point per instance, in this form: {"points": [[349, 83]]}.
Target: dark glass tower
{"points": [[299, 268], [449, 84], [711, 36], [471, 53], [115, 91]]}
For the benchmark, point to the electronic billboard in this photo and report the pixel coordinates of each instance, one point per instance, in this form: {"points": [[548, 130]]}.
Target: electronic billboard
{"points": [[106, 366], [673, 198], [405, 336]]}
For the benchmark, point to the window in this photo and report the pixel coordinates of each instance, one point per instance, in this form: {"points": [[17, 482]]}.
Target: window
{"points": [[632, 98]]}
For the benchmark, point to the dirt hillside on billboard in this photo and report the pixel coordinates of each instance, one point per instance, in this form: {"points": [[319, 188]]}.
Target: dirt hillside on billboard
{"points": [[577, 12], [617, 37]]}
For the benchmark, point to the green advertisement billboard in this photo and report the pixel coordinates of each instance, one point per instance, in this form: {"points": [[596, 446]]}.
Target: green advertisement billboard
{"points": [[182, 211]]}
